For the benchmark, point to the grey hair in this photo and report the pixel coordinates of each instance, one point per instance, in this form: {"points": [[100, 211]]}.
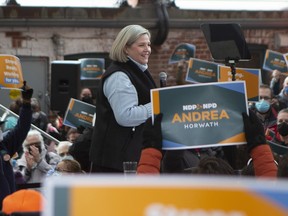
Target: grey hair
{"points": [[34, 133], [62, 144], [126, 37]]}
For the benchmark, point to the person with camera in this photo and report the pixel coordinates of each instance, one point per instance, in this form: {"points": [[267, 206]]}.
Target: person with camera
{"points": [[36, 161]]}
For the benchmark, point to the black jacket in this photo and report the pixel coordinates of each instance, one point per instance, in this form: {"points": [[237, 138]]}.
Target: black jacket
{"points": [[80, 149], [12, 142], [111, 143]]}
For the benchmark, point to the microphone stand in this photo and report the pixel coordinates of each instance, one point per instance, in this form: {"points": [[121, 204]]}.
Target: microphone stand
{"points": [[232, 63], [163, 79]]}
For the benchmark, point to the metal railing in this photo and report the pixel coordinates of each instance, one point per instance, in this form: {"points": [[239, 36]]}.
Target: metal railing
{"points": [[43, 133]]}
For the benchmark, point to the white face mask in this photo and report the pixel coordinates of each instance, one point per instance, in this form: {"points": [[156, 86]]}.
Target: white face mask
{"points": [[35, 115], [1, 135]]}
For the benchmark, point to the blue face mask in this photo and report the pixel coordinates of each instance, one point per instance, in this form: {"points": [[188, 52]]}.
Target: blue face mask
{"points": [[262, 106]]}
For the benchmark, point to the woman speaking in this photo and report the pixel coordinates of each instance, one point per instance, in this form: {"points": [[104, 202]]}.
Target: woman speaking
{"points": [[123, 102]]}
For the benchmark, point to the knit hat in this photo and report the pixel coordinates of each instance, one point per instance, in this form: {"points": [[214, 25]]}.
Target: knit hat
{"points": [[25, 200]]}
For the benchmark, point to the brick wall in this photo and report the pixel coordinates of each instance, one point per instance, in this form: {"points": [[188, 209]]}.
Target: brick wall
{"points": [[57, 41], [39, 42], [160, 54]]}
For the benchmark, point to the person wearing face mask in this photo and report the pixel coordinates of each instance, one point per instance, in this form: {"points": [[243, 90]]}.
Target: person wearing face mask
{"points": [[86, 96], [281, 136], [80, 147], [63, 149], [39, 118], [266, 110]]}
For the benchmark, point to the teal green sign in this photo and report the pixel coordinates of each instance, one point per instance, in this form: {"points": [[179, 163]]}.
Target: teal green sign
{"points": [[182, 52], [79, 113], [200, 71], [91, 68], [201, 115], [275, 61]]}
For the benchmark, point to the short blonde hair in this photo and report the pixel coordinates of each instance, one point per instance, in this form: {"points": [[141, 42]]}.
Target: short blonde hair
{"points": [[126, 37]]}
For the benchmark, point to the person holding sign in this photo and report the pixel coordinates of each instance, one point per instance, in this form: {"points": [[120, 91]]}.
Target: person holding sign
{"points": [[123, 102], [257, 147], [12, 142], [86, 96], [283, 95], [275, 82], [265, 110]]}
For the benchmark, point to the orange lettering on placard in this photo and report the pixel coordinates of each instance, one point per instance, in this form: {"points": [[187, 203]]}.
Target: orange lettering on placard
{"points": [[200, 116], [224, 114]]}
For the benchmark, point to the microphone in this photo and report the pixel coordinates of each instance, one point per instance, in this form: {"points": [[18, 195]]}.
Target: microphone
{"points": [[163, 78]]}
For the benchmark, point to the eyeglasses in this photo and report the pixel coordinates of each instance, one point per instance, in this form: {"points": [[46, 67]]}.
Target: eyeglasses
{"points": [[63, 154], [34, 143], [264, 97]]}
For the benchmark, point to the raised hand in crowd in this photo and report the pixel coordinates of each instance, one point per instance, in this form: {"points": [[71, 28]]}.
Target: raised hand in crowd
{"points": [[26, 93]]}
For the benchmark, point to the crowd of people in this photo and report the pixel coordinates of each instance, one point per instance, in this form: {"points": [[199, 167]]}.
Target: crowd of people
{"points": [[124, 130]]}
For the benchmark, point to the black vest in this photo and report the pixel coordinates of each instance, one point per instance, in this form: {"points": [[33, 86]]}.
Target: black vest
{"points": [[111, 143]]}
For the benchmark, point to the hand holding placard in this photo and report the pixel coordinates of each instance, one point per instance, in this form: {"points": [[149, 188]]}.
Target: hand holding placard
{"points": [[152, 135], [254, 130]]}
